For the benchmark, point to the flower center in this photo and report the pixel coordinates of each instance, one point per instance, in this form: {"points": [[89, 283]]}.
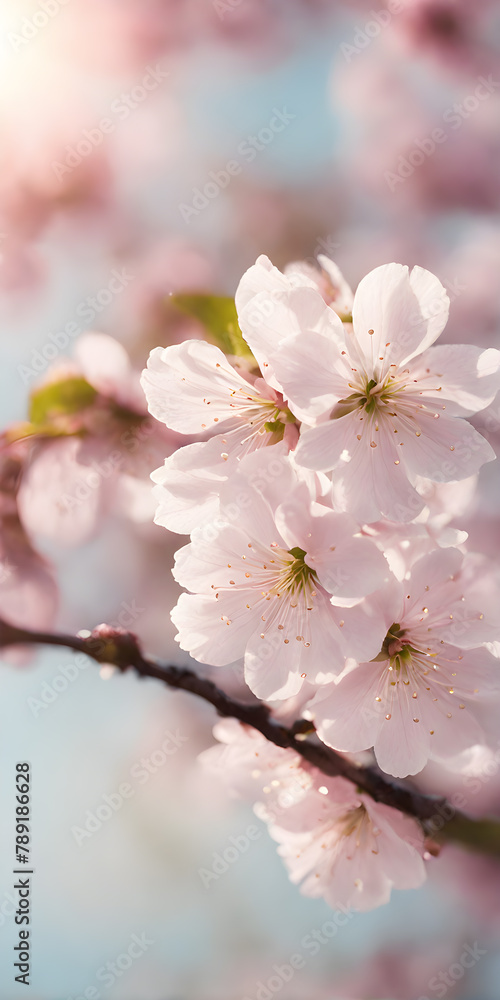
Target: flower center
{"points": [[369, 396], [395, 648], [357, 824], [296, 576], [267, 416]]}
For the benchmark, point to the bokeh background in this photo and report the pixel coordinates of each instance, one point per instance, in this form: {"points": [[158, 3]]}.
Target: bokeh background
{"points": [[356, 172]]}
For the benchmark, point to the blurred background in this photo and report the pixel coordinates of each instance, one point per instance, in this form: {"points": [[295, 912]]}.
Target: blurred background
{"points": [[149, 147]]}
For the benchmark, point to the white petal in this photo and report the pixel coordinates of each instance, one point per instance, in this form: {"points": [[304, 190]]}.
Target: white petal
{"points": [[402, 746], [262, 479], [466, 378], [191, 387], [346, 716], [433, 301], [406, 313], [346, 566], [447, 449], [385, 304], [271, 668], [311, 388], [400, 845], [188, 485], [374, 482], [269, 320], [320, 448], [434, 572], [260, 277], [203, 629]]}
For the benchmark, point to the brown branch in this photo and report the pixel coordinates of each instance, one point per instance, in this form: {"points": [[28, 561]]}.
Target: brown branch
{"points": [[437, 816]]}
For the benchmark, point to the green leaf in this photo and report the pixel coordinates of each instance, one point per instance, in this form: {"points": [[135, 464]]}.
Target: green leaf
{"points": [[60, 399], [219, 317]]}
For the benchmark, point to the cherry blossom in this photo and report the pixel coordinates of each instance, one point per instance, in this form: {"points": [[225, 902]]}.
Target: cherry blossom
{"points": [[183, 380], [275, 581], [387, 405], [193, 389], [343, 846], [253, 768], [104, 455], [336, 841], [414, 701]]}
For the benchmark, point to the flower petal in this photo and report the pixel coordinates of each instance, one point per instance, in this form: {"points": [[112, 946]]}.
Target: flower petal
{"points": [[374, 482], [447, 449], [191, 386], [188, 486], [466, 378], [260, 277], [388, 324], [203, 630], [267, 321], [320, 448], [434, 304]]}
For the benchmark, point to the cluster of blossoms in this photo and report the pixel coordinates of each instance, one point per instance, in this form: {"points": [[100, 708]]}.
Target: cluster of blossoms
{"points": [[321, 550], [85, 453]]}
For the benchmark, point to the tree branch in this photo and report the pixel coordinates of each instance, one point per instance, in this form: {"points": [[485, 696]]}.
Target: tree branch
{"points": [[438, 817]]}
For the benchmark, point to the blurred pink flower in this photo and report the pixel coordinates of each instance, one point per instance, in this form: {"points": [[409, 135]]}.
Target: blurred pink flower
{"points": [[337, 842], [103, 466], [28, 589]]}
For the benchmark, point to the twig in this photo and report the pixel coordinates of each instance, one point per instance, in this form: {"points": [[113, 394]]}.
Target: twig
{"points": [[115, 646]]}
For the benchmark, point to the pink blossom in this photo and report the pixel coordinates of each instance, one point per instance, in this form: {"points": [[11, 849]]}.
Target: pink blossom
{"points": [[341, 845], [415, 700], [387, 405], [337, 842], [274, 580], [102, 461], [253, 768], [183, 380], [193, 389]]}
